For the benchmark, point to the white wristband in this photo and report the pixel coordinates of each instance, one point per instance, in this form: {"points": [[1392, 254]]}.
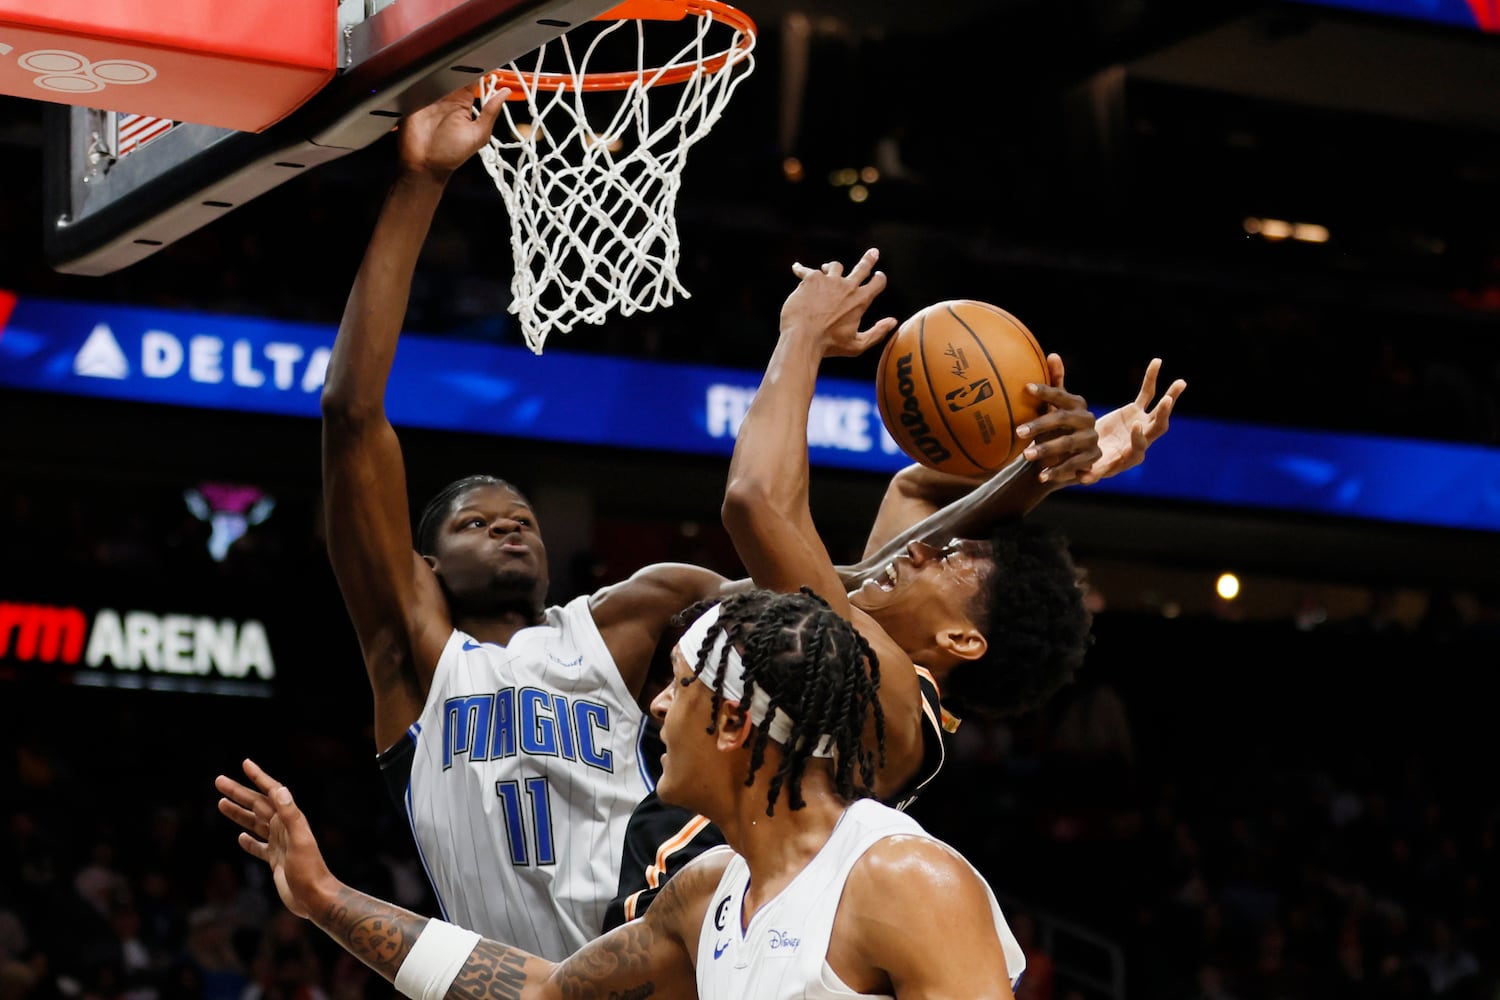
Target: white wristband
{"points": [[435, 960]]}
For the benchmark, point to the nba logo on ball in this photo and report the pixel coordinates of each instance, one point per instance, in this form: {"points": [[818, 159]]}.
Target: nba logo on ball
{"points": [[952, 386]]}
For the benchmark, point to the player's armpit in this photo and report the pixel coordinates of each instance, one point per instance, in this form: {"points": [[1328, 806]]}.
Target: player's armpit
{"points": [[915, 920]]}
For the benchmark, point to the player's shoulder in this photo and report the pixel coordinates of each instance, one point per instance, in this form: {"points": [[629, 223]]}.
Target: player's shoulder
{"points": [[705, 872], [905, 862], [684, 900]]}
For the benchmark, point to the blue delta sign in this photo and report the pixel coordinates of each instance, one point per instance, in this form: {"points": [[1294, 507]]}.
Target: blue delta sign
{"points": [[256, 365]]}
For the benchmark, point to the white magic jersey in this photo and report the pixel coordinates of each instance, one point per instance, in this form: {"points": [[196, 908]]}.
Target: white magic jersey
{"points": [[782, 955], [525, 766]]}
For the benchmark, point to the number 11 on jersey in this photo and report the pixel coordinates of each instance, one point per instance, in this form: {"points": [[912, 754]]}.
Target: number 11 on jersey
{"points": [[515, 821]]}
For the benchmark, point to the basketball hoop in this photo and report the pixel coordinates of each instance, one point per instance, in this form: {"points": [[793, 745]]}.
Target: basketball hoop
{"points": [[590, 170]]}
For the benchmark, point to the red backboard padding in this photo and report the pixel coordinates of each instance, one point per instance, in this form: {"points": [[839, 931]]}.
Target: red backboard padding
{"points": [[242, 65]]}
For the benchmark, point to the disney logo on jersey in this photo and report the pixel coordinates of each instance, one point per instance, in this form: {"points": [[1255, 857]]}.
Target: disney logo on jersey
{"points": [[526, 720], [782, 942], [721, 913]]}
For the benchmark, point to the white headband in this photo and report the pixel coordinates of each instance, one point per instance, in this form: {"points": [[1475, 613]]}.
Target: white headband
{"points": [[780, 726]]}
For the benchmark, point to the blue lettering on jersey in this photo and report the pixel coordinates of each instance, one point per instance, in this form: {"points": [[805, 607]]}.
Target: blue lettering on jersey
{"points": [[783, 940], [539, 733], [531, 721], [586, 715], [503, 740], [564, 731], [466, 727]]}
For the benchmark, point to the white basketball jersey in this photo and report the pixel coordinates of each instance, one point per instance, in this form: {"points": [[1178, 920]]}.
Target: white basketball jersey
{"points": [[525, 767], [783, 953]]}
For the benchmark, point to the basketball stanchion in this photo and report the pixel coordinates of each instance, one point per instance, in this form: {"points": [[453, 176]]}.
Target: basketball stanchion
{"points": [[589, 159]]}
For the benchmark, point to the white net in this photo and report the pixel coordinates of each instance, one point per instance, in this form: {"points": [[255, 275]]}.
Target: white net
{"points": [[590, 181]]}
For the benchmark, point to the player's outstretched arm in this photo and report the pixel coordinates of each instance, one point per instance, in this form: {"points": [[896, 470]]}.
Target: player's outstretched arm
{"points": [[395, 604], [922, 504], [432, 960], [916, 921], [766, 509]]}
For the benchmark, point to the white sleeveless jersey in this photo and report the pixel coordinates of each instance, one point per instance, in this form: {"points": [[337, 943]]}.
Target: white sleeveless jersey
{"points": [[783, 954], [525, 766]]}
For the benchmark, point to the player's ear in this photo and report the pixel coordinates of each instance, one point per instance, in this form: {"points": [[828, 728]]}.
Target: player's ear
{"points": [[964, 642], [431, 562], [733, 726]]}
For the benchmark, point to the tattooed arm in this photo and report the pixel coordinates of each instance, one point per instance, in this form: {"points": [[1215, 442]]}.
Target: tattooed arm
{"points": [[652, 956]]}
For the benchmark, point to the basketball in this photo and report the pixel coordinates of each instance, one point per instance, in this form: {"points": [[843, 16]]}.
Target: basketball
{"points": [[952, 386]]}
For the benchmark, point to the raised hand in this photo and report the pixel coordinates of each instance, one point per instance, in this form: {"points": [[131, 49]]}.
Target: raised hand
{"points": [[277, 833], [437, 139], [1126, 433], [1063, 441], [830, 305]]}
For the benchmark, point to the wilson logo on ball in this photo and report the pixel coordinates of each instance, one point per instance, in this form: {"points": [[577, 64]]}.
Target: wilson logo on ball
{"points": [[917, 432]]}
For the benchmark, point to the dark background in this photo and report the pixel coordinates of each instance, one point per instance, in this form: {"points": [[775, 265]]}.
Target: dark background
{"points": [[1287, 796]]}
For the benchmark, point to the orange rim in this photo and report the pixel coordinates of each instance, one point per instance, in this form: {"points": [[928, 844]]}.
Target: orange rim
{"points": [[650, 10]]}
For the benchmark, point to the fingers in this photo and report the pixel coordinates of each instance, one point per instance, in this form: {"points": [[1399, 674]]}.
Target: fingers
{"points": [[1148, 384], [1055, 369], [863, 268], [260, 826], [247, 799], [255, 848], [865, 265], [1056, 396], [1070, 469], [1063, 458], [878, 332], [1067, 411], [1064, 441], [1173, 391], [1157, 422], [257, 774], [489, 112]]}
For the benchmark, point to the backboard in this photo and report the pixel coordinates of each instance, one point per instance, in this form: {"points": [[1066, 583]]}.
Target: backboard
{"points": [[119, 187]]}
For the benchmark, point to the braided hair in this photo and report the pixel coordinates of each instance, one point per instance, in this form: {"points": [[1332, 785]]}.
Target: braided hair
{"points": [[814, 666], [441, 505]]}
